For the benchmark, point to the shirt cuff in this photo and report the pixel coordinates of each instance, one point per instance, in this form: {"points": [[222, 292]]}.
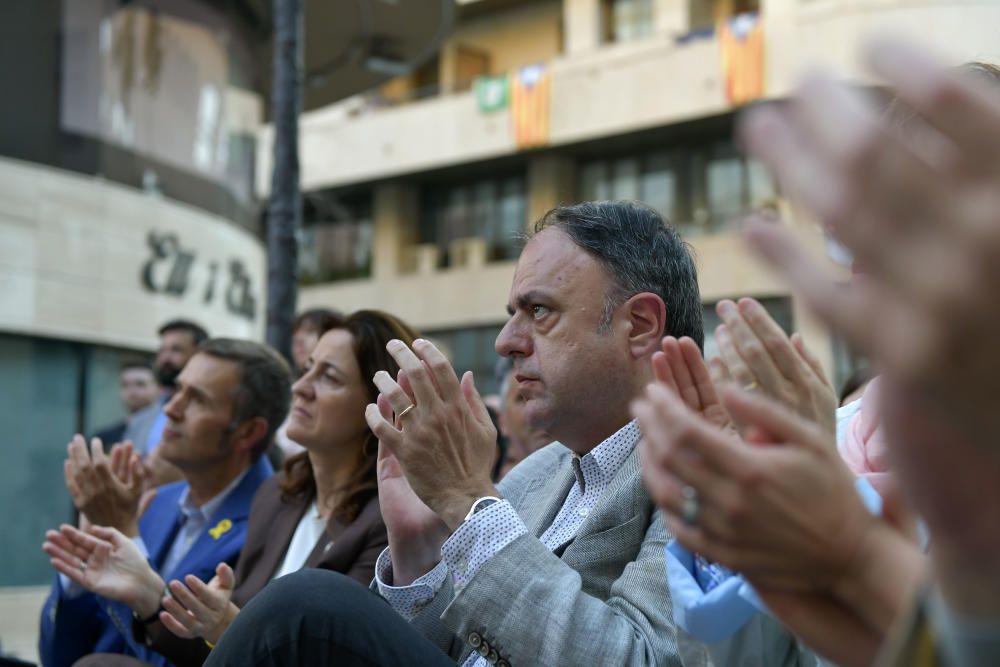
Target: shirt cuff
{"points": [[408, 600], [479, 539]]}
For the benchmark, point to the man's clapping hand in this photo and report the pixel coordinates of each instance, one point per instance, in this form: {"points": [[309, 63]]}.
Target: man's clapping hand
{"points": [[105, 489]]}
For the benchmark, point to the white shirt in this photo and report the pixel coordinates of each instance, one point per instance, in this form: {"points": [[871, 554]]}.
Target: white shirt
{"points": [[489, 531], [845, 414], [307, 535]]}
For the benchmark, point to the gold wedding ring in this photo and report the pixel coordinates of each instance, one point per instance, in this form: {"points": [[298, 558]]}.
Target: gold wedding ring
{"points": [[406, 410], [750, 387]]}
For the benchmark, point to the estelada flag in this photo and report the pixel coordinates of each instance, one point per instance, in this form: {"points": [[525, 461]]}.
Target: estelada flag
{"points": [[741, 40], [530, 106]]}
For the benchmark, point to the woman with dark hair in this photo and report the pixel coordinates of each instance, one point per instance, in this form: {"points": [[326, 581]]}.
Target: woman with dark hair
{"points": [[306, 330], [322, 511]]}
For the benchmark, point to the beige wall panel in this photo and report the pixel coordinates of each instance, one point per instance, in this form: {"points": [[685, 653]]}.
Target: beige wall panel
{"points": [[551, 183], [631, 86], [460, 298], [582, 21], [72, 251], [672, 17], [526, 35], [599, 92], [20, 609], [727, 269], [423, 135], [17, 250], [621, 88], [832, 31], [443, 300]]}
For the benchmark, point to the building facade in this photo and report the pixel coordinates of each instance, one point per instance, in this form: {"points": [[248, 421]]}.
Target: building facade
{"points": [[415, 192], [126, 199]]}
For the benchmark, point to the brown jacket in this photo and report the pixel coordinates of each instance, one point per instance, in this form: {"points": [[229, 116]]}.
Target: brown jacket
{"points": [[351, 549]]}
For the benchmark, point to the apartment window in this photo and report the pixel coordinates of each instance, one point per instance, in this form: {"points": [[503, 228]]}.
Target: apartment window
{"points": [[725, 191], [780, 308], [471, 349], [700, 187], [705, 14], [492, 209], [627, 20], [469, 64], [336, 238], [51, 389]]}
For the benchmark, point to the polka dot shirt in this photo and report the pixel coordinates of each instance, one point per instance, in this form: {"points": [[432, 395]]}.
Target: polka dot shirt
{"points": [[487, 532]]}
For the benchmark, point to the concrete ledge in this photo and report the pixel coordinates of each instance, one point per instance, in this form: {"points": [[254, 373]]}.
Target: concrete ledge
{"points": [[19, 612]]}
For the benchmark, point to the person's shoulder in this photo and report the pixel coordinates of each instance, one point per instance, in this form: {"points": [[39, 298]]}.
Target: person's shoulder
{"points": [[147, 412], [553, 453], [270, 489], [269, 497]]}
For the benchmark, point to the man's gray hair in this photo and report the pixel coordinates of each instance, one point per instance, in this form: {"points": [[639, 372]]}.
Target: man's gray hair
{"points": [[642, 253]]}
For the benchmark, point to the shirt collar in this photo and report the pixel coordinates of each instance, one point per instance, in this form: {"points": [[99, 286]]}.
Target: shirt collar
{"points": [[599, 465], [205, 512]]}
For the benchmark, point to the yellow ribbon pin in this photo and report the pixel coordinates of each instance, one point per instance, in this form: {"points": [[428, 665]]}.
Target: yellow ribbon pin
{"points": [[220, 528]]}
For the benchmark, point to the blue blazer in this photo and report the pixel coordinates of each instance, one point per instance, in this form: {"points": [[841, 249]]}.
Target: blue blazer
{"points": [[72, 627]]}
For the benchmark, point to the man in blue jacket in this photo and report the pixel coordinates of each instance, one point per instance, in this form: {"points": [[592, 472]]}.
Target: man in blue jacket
{"points": [[231, 397]]}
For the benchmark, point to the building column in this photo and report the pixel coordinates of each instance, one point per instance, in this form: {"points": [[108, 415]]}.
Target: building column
{"points": [[817, 337], [581, 26], [671, 17], [396, 213], [551, 183]]}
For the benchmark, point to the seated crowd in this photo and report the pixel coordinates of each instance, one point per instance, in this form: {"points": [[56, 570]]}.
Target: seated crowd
{"points": [[686, 512]]}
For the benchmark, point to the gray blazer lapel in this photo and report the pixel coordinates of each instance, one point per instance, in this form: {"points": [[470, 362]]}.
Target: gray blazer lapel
{"points": [[620, 518], [540, 505]]}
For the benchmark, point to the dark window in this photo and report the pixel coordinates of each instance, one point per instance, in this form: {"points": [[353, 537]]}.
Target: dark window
{"points": [[494, 210], [704, 14], [627, 20], [471, 349], [336, 238], [699, 187], [52, 389], [779, 308]]}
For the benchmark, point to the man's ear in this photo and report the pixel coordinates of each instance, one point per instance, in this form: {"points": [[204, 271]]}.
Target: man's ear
{"points": [[249, 433], [647, 316]]}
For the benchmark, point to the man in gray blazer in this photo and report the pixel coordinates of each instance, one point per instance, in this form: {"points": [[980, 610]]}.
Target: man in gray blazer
{"points": [[563, 564]]}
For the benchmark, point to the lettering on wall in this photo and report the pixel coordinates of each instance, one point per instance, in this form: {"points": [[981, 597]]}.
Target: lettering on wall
{"points": [[168, 271]]}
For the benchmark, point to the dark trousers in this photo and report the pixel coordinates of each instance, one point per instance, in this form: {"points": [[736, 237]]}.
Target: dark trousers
{"points": [[319, 617]]}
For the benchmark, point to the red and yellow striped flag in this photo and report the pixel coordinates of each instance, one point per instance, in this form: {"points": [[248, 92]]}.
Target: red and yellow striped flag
{"points": [[530, 106], [741, 40]]}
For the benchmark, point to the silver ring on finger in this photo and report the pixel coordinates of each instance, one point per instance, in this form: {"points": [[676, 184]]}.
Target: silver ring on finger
{"points": [[690, 506], [83, 566]]}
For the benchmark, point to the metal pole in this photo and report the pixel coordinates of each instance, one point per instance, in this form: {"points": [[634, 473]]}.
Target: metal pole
{"points": [[285, 209]]}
